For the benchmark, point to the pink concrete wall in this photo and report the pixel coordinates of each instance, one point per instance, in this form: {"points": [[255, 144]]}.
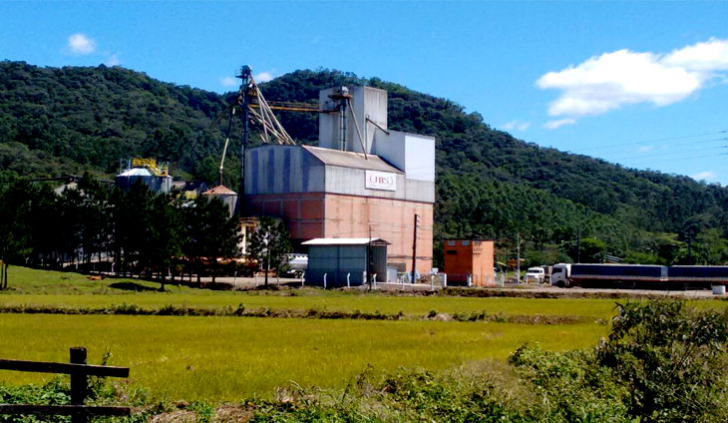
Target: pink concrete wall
{"points": [[392, 220], [344, 216], [304, 213]]}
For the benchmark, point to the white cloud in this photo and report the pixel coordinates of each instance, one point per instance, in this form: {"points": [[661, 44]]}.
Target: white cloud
{"points": [[646, 148], [263, 77], [604, 83], [81, 44], [228, 81], [516, 125], [554, 124], [703, 176], [709, 56], [113, 60]]}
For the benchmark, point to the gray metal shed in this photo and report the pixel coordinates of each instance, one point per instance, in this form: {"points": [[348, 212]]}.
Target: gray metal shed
{"points": [[339, 258]]}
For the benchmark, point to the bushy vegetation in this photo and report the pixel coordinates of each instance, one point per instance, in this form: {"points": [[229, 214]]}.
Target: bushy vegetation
{"points": [[661, 363]]}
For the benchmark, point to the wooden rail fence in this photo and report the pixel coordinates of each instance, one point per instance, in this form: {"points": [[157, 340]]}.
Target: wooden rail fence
{"points": [[79, 371]]}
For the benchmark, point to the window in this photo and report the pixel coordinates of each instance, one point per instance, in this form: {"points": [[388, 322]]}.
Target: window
{"points": [[465, 243], [451, 243], [451, 252]]}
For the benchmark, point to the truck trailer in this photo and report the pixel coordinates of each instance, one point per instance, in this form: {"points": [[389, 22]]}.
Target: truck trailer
{"points": [[609, 275], [638, 276], [698, 276]]}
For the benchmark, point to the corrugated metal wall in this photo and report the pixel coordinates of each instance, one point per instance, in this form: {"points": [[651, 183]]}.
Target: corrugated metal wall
{"points": [[338, 261], [277, 169], [282, 170]]}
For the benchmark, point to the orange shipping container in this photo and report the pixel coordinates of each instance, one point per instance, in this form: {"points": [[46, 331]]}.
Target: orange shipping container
{"points": [[469, 257]]}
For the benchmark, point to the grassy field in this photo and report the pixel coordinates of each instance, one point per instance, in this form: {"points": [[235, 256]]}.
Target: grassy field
{"points": [[33, 287], [227, 358]]}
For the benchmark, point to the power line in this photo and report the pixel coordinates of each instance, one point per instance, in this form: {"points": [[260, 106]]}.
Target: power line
{"points": [[634, 143], [664, 147], [687, 158], [659, 154]]}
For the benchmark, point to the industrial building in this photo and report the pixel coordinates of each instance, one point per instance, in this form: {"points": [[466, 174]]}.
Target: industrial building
{"points": [[362, 181], [344, 262], [469, 261], [147, 171], [224, 194], [247, 225]]}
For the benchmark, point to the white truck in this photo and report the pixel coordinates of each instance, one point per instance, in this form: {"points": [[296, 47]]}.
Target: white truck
{"points": [[535, 275]]}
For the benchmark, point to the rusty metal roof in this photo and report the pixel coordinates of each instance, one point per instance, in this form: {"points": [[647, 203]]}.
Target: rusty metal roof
{"points": [[220, 190], [350, 159]]}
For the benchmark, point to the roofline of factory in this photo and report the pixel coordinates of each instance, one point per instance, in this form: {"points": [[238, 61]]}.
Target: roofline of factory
{"points": [[344, 241]]}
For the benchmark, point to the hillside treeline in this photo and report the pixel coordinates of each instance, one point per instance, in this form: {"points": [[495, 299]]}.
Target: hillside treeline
{"points": [[57, 121], [92, 226]]}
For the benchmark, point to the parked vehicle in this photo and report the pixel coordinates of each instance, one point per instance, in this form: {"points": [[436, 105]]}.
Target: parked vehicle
{"points": [[638, 276], [297, 264], [535, 275], [608, 275]]}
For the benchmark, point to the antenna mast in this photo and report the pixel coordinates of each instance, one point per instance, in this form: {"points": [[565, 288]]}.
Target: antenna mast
{"points": [[246, 77]]}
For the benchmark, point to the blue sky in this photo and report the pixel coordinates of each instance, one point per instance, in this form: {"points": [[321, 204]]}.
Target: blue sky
{"points": [[643, 84]]}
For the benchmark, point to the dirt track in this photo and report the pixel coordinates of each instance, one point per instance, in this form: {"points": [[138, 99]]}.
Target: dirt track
{"points": [[704, 293], [518, 290]]}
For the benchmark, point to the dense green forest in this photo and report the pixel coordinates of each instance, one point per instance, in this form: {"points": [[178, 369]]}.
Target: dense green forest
{"points": [[56, 121]]}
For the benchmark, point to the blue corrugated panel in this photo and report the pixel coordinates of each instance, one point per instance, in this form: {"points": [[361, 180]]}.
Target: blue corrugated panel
{"points": [[271, 171], [287, 170], [255, 173], [306, 170]]}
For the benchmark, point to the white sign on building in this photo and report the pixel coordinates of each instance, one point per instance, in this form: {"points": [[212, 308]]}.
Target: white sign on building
{"points": [[384, 181]]}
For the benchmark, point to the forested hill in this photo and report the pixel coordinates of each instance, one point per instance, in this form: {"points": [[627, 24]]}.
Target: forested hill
{"points": [[65, 120]]}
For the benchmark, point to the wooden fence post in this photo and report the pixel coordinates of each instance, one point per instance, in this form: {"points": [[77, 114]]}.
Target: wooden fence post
{"points": [[79, 383], [79, 371]]}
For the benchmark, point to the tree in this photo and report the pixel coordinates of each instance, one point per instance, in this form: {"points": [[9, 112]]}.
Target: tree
{"points": [[588, 250], [16, 205], [165, 236], [269, 244], [211, 233], [131, 214], [95, 222]]}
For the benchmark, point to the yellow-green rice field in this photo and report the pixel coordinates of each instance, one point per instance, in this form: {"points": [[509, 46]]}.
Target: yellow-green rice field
{"points": [[228, 358]]}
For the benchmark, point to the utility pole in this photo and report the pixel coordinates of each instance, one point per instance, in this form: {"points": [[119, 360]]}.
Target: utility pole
{"points": [[414, 249], [244, 101], [518, 258], [267, 261], [369, 260], [578, 244]]}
